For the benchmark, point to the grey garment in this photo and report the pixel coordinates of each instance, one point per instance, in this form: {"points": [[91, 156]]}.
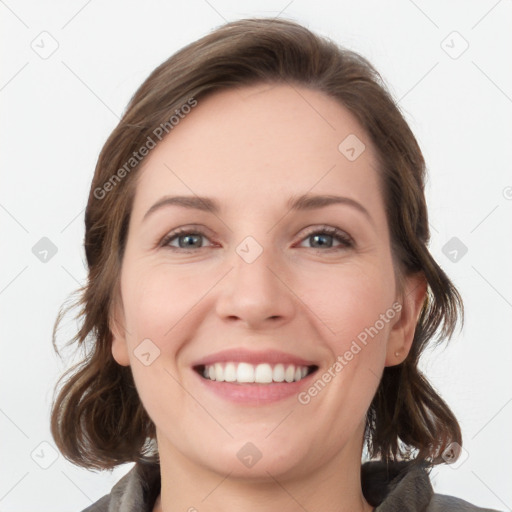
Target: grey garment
{"points": [[395, 487], [405, 486]]}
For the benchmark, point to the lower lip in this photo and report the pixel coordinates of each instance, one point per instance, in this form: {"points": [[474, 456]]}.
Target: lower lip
{"points": [[253, 393]]}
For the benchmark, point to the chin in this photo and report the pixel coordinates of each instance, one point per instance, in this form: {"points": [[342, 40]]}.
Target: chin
{"points": [[258, 459]]}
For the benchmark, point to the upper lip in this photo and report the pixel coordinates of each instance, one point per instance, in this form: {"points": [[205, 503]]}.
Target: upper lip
{"points": [[242, 355]]}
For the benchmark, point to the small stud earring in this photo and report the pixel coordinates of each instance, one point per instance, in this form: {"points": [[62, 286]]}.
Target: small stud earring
{"points": [[397, 354]]}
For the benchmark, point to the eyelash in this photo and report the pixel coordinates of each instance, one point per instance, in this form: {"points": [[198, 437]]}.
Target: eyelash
{"points": [[346, 241]]}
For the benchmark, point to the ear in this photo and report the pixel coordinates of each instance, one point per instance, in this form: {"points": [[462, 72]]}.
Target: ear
{"points": [[118, 330], [402, 333]]}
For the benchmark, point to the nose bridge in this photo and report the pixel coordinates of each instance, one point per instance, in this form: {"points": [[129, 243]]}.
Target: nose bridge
{"points": [[252, 275], [253, 262], [254, 291]]}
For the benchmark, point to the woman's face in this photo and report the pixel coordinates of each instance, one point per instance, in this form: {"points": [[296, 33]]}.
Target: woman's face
{"points": [[260, 278]]}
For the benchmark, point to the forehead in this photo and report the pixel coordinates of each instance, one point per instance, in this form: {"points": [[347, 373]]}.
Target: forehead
{"points": [[262, 143]]}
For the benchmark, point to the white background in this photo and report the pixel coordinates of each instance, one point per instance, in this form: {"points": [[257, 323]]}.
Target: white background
{"points": [[57, 112]]}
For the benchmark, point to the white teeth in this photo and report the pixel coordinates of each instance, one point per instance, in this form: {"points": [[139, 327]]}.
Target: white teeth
{"points": [[289, 374], [278, 373], [219, 372], [230, 372], [245, 372], [263, 373]]}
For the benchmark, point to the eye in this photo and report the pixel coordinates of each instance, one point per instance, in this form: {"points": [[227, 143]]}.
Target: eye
{"points": [[190, 240], [324, 237], [186, 238]]}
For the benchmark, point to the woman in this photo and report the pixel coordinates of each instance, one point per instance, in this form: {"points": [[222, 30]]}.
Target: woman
{"points": [[238, 365]]}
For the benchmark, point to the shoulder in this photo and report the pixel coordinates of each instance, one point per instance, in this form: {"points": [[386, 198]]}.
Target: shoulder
{"points": [[442, 502], [134, 492], [99, 506], [405, 486]]}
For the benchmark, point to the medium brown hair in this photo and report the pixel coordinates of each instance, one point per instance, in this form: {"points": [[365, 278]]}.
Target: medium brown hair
{"points": [[97, 419]]}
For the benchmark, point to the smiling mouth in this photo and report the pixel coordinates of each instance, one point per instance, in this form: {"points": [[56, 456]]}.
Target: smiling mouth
{"points": [[246, 373]]}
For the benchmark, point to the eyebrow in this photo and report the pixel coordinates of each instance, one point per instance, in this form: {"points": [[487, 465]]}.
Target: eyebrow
{"points": [[304, 202]]}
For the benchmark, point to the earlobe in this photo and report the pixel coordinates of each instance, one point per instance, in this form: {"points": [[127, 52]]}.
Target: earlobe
{"points": [[119, 343], [401, 335]]}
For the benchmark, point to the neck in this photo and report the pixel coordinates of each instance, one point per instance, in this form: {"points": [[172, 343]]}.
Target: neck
{"points": [[333, 486]]}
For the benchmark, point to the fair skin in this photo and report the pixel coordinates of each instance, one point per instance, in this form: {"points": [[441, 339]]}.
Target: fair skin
{"points": [[251, 149]]}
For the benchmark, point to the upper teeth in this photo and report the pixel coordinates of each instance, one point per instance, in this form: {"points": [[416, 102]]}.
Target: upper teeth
{"points": [[262, 373]]}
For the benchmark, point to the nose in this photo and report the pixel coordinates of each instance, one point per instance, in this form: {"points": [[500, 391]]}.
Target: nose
{"points": [[257, 294]]}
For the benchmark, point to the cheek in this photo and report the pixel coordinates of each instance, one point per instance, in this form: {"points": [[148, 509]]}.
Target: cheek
{"points": [[355, 306], [162, 303], [158, 303], [355, 315], [348, 303], [159, 300]]}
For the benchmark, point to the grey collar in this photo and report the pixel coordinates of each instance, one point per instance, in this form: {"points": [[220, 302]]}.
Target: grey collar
{"points": [[396, 486]]}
